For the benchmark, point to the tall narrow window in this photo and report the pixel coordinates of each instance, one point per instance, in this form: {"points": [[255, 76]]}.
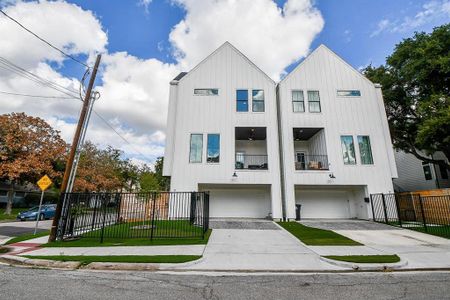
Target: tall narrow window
{"points": [[427, 171], [258, 100], [365, 151], [314, 101], [195, 154], [348, 150], [213, 149], [241, 100], [298, 101]]}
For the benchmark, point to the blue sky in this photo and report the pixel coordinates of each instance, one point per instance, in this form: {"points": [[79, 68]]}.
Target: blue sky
{"points": [[145, 43]]}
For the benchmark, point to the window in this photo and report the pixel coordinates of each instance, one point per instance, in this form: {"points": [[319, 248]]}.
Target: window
{"points": [[206, 92], [213, 149], [348, 150], [195, 154], [314, 101], [298, 101], [365, 151], [242, 100], [349, 93], [3, 193], [258, 100], [427, 171], [443, 170]]}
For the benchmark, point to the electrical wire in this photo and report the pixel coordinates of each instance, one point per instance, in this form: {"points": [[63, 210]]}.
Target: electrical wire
{"points": [[43, 40], [37, 96]]}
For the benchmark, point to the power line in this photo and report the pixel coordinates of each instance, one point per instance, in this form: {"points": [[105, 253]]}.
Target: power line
{"points": [[37, 96], [43, 40]]}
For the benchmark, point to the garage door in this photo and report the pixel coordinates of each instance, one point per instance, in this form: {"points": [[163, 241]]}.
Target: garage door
{"points": [[239, 203], [323, 204]]}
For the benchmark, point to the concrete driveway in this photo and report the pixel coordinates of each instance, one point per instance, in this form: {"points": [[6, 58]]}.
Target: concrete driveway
{"points": [[256, 245], [419, 249]]}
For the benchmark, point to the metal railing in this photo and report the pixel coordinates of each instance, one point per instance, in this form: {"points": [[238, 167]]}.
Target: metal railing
{"points": [[430, 214], [311, 162], [251, 161], [150, 215]]}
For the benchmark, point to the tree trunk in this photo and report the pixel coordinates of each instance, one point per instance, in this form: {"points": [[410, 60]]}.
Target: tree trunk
{"points": [[10, 200]]}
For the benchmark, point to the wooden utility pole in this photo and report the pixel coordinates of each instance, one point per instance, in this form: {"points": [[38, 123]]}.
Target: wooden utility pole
{"points": [[73, 150]]}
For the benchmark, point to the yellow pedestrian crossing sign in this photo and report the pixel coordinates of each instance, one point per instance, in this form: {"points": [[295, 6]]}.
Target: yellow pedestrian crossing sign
{"points": [[44, 182]]}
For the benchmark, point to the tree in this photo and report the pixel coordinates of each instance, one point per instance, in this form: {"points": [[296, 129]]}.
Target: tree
{"points": [[416, 86], [163, 181], [29, 148], [148, 182]]}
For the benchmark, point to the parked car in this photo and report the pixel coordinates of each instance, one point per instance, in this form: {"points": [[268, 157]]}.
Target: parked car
{"points": [[47, 212]]}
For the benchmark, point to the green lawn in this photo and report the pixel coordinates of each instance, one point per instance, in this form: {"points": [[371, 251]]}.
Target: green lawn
{"points": [[121, 258], [27, 236], [107, 242], [12, 216], [366, 258], [317, 237], [437, 230]]}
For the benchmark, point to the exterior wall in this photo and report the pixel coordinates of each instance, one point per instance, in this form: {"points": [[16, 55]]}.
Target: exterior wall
{"points": [[325, 72], [411, 176], [228, 70]]}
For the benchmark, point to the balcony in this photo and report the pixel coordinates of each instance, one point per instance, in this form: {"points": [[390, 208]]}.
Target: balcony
{"points": [[311, 162], [251, 148], [251, 162]]}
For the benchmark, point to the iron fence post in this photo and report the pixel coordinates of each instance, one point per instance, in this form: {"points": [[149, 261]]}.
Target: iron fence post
{"points": [[103, 223], [423, 214], [384, 208], [153, 215], [373, 211], [397, 205]]}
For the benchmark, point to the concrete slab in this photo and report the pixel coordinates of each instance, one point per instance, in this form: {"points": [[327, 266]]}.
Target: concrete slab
{"points": [[345, 224], [120, 250], [243, 224]]}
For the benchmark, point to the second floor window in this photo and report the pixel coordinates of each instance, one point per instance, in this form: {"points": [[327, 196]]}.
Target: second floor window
{"points": [[298, 101], [206, 92], [213, 149], [348, 150], [427, 171], [314, 101], [196, 148], [365, 151], [241, 100], [258, 100]]}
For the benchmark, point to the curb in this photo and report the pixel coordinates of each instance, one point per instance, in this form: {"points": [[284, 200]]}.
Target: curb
{"points": [[13, 259], [367, 267]]}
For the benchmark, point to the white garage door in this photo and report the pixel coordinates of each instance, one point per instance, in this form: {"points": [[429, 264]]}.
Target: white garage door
{"points": [[323, 204], [239, 203]]}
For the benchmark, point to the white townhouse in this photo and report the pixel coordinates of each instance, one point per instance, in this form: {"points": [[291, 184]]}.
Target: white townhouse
{"points": [[319, 138]]}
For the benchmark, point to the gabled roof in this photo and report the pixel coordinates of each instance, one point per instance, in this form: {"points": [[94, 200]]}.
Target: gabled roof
{"points": [[323, 47], [226, 44]]}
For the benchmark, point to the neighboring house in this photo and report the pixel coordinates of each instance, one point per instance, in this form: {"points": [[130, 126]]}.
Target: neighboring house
{"points": [[319, 138], [416, 175]]}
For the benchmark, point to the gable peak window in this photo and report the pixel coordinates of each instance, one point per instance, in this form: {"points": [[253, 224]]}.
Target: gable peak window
{"points": [[349, 93], [206, 92], [314, 101], [298, 101], [258, 100]]}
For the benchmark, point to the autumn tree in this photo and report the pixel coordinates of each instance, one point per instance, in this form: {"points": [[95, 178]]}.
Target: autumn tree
{"points": [[416, 91], [29, 148]]}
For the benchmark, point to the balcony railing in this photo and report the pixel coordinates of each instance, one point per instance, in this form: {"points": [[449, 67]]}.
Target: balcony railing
{"points": [[251, 162], [311, 162]]}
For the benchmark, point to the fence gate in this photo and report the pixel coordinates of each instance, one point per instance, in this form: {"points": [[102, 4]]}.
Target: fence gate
{"points": [[430, 214], [152, 215]]}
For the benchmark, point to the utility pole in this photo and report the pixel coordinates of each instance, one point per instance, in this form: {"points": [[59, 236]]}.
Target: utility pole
{"points": [[73, 149]]}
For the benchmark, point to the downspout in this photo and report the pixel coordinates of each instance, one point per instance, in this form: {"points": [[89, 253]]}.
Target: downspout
{"points": [[280, 151]]}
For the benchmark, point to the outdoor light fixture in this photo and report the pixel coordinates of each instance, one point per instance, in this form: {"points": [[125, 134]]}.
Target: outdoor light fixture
{"points": [[331, 175], [235, 175]]}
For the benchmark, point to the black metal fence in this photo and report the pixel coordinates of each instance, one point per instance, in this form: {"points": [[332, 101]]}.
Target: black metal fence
{"points": [[430, 214], [152, 215]]}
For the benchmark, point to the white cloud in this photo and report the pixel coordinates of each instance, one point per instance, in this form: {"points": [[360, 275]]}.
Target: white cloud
{"points": [[270, 36], [134, 92], [145, 4], [431, 12]]}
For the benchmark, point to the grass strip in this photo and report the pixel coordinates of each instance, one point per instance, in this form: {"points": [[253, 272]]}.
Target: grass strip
{"points": [[27, 236], [120, 258], [317, 237], [12, 216], [108, 242], [366, 259]]}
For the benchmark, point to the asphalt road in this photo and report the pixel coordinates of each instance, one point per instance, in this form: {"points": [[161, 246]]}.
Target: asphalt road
{"points": [[21, 283]]}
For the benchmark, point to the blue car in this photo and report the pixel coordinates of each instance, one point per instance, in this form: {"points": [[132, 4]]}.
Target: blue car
{"points": [[47, 212]]}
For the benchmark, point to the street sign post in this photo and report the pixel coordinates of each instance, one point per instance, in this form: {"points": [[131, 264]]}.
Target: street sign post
{"points": [[43, 184]]}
